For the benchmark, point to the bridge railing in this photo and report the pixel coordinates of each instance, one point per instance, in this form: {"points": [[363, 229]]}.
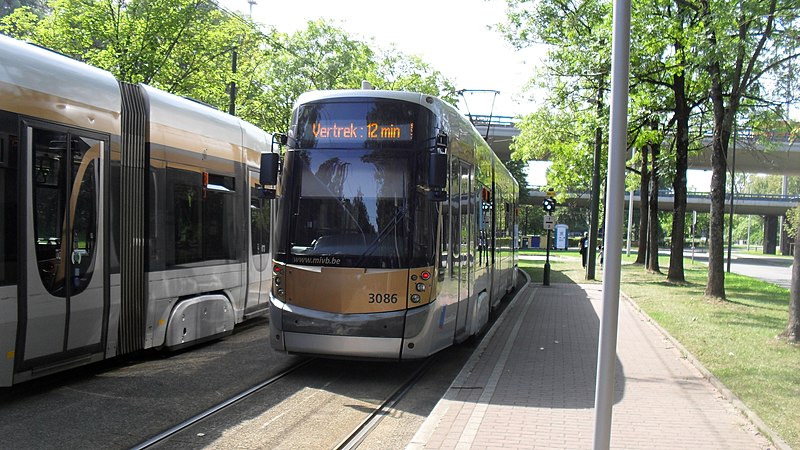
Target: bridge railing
{"points": [[538, 191]]}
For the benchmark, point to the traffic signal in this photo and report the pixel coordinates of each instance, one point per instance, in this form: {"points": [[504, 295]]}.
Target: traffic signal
{"points": [[549, 205]]}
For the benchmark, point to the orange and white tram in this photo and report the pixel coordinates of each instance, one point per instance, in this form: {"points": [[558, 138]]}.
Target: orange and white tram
{"points": [[130, 218], [394, 230]]}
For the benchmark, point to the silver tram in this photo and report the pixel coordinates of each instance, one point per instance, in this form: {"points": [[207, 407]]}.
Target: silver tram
{"points": [[394, 235], [129, 218]]}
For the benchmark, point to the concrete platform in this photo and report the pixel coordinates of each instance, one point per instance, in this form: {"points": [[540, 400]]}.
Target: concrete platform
{"points": [[530, 384]]}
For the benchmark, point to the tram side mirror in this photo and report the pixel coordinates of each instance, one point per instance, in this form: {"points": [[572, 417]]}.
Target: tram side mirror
{"points": [[268, 194], [437, 177], [280, 139], [442, 141], [269, 169]]}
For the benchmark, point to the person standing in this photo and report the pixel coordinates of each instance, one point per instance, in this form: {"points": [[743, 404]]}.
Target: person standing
{"points": [[584, 247]]}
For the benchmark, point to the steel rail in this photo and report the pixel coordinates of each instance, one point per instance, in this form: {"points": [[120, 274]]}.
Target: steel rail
{"points": [[220, 406], [365, 428]]}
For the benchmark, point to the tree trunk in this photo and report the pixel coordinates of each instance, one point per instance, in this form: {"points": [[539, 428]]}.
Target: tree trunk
{"points": [[655, 228], [732, 85], [678, 238], [792, 332], [644, 197], [723, 121]]}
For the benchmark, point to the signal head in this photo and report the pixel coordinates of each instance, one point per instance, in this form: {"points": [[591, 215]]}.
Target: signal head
{"points": [[549, 205]]}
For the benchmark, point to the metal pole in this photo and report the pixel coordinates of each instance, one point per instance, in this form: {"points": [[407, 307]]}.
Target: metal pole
{"points": [[232, 100], [595, 202], [694, 231], [612, 244], [491, 111], [546, 273]]}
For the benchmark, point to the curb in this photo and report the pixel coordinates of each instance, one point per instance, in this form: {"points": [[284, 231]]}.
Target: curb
{"points": [[718, 385], [424, 433]]}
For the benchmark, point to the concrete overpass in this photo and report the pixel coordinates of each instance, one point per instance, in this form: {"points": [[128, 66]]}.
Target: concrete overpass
{"points": [[777, 155], [762, 205]]}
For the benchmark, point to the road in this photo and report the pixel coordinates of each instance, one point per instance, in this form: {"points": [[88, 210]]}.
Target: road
{"points": [[769, 268], [121, 402]]}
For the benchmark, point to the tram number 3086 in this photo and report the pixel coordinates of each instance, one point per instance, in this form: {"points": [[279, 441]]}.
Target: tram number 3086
{"points": [[382, 298]]}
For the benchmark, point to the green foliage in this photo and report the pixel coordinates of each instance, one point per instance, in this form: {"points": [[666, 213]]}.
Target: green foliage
{"points": [[517, 169], [793, 219], [560, 137], [400, 72], [734, 339], [325, 57], [182, 46], [38, 7], [186, 47], [318, 57]]}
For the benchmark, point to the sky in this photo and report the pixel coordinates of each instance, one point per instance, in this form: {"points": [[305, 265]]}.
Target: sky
{"points": [[452, 36]]}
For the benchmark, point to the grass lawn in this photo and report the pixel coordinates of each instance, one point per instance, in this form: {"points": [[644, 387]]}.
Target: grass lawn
{"points": [[735, 339]]}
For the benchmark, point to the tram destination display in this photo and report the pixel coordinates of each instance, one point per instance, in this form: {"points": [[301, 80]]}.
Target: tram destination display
{"points": [[370, 124]]}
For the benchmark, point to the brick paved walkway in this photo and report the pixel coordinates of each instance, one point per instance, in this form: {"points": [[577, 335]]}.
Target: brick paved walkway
{"points": [[530, 384]]}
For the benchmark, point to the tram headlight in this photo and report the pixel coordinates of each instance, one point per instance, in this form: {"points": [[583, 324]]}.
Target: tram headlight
{"points": [[415, 298], [421, 287]]}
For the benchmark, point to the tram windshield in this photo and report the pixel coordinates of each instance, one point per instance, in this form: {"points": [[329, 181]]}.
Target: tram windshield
{"points": [[354, 208]]}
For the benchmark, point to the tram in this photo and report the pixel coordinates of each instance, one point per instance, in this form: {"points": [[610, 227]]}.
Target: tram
{"points": [[130, 218], [394, 232]]}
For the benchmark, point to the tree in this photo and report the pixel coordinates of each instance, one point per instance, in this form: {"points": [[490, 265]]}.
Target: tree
{"points": [[397, 71], [323, 56], [745, 40], [667, 86], [181, 46], [644, 215], [37, 7], [517, 169], [577, 70], [792, 331], [654, 229], [186, 47], [556, 135]]}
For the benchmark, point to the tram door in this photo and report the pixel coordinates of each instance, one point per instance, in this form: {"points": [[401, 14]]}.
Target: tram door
{"points": [[463, 258], [64, 307], [258, 274]]}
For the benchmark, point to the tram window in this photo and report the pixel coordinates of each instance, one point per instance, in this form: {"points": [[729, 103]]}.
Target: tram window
{"points": [[444, 232], [8, 207], [65, 187], [5, 152], [259, 221], [221, 183], [203, 220], [455, 218]]}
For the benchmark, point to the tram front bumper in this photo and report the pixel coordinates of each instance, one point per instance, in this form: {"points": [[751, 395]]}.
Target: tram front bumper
{"points": [[374, 335]]}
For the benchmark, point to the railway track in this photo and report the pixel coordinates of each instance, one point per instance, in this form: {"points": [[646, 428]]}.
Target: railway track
{"points": [[350, 420], [360, 434], [166, 434]]}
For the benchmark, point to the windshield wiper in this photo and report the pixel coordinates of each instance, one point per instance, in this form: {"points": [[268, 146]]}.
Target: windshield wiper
{"points": [[391, 226]]}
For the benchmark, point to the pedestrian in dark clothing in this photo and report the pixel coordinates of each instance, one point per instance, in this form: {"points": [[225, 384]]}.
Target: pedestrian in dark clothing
{"points": [[584, 247]]}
